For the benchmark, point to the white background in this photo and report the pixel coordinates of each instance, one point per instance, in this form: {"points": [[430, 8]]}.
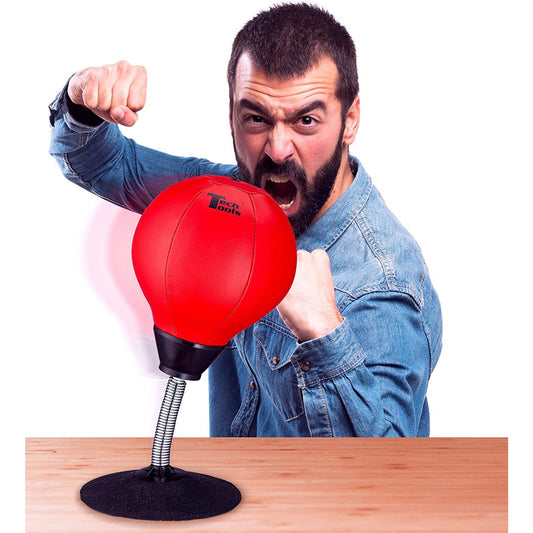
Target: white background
{"points": [[446, 134]]}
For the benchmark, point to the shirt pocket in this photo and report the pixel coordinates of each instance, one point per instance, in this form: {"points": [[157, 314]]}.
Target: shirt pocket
{"points": [[274, 369]]}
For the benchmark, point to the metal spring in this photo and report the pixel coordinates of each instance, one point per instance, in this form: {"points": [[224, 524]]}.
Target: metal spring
{"points": [[167, 421]]}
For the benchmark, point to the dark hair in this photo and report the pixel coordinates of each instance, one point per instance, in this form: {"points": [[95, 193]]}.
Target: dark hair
{"points": [[289, 39]]}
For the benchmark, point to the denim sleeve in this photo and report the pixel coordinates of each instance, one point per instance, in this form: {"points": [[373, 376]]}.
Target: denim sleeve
{"points": [[369, 376], [105, 162]]}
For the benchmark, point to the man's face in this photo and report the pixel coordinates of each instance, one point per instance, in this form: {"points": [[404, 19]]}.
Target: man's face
{"points": [[290, 139]]}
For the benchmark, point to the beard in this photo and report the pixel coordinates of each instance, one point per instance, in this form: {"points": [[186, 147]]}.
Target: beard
{"points": [[314, 191]]}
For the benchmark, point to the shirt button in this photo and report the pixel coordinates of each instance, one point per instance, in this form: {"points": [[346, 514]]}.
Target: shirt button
{"points": [[305, 366], [275, 360], [253, 386]]}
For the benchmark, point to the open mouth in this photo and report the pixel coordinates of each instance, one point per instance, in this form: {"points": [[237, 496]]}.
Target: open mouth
{"points": [[282, 190]]}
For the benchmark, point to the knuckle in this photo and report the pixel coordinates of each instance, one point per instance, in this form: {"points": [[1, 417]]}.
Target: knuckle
{"points": [[320, 255], [122, 66], [95, 74], [141, 71], [91, 73]]}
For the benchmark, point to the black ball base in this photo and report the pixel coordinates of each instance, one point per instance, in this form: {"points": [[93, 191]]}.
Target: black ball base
{"points": [[160, 493]]}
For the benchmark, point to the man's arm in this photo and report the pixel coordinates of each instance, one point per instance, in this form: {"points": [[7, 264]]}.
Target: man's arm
{"points": [[92, 151], [364, 372], [377, 386]]}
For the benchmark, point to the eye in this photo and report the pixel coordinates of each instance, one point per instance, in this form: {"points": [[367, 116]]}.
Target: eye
{"points": [[254, 119], [307, 121], [255, 123], [306, 124]]}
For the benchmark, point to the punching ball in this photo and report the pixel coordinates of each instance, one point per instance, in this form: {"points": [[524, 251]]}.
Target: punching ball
{"points": [[212, 256]]}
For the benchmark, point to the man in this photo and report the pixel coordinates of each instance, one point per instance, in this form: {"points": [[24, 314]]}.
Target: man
{"points": [[350, 349]]}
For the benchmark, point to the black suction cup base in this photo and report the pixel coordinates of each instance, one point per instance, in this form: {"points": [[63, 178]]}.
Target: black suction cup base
{"points": [[147, 495]]}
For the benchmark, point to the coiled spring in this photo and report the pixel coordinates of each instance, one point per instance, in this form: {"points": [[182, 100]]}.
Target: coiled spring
{"points": [[167, 421]]}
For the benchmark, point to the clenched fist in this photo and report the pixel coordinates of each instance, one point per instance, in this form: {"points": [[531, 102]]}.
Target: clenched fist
{"points": [[309, 309], [114, 92]]}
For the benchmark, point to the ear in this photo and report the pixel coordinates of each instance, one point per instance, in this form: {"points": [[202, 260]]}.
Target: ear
{"points": [[231, 117], [352, 122]]}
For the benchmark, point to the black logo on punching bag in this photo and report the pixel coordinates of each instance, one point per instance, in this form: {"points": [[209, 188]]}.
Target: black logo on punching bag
{"points": [[220, 203]]}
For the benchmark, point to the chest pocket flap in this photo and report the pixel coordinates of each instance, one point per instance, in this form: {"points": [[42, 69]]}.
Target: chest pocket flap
{"points": [[274, 347]]}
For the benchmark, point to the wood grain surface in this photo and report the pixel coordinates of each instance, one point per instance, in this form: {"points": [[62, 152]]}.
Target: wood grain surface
{"points": [[296, 485]]}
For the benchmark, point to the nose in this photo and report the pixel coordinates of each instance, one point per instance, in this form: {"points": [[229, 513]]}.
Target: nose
{"points": [[279, 146]]}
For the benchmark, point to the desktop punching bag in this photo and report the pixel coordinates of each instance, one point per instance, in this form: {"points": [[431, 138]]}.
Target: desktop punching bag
{"points": [[212, 256]]}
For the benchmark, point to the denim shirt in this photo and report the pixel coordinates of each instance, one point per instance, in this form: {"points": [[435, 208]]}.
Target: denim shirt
{"points": [[369, 376]]}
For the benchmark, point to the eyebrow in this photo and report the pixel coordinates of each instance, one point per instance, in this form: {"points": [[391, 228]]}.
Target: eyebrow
{"points": [[305, 110], [244, 103]]}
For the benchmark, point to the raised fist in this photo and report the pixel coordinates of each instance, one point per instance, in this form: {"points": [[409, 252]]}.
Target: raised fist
{"points": [[114, 92]]}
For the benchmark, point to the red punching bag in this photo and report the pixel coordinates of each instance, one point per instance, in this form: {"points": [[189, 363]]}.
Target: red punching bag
{"points": [[212, 256]]}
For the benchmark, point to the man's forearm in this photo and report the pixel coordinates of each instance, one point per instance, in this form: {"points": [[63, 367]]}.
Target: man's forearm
{"points": [[102, 160]]}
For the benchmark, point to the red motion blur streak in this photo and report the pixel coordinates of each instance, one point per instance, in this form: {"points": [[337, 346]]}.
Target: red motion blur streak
{"points": [[212, 257]]}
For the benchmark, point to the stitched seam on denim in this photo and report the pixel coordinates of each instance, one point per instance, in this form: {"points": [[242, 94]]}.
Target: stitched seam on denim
{"points": [[272, 367], [377, 249], [342, 328], [361, 292], [239, 343], [300, 406], [407, 291], [251, 411], [294, 417], [236, 424], [69, 166], [428, 340], [84, 138], [396, 289], [344, 300], [239, 422], [348, 221], [276, 327], [339, 371], [428, 333], [326, 412], [344, 291], [422, 283]]}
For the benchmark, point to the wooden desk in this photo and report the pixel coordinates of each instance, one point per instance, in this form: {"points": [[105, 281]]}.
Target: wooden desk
{"points": [[297, 485]]}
